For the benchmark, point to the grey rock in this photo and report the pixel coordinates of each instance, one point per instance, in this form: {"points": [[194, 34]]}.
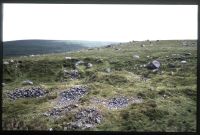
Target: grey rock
{"points": [[153, 65], [136, 56], [89, 65], [183, 62], [108, 70], [27, 82], [68, 58], [171, 65], [6, 63]]}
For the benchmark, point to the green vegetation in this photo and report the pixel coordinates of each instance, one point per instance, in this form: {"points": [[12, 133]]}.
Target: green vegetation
{"points": [[169, 99]]}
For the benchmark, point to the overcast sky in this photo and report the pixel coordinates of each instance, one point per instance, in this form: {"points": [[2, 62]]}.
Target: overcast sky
{"points": [[99, 22]]}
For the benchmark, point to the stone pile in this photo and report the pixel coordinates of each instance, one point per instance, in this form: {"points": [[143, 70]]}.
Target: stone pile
{"points": [[86, 118], [73, 74], [71, 95], [56, 112], [118, 102], [27, 93]]}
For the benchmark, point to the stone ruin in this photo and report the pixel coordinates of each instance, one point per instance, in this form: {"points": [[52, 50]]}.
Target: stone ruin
{"points": [[31, 92], [72, 95], [85, 118]]}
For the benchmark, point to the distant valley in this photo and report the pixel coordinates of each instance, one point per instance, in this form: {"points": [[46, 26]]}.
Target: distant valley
{"points": [[33, 47]]}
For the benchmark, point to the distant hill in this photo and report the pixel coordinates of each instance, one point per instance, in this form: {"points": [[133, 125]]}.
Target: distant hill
{"points": [[29, 47]]}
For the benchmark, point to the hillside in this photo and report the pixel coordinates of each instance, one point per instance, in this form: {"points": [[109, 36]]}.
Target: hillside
{"points": [[35, 47], [107, 88]]}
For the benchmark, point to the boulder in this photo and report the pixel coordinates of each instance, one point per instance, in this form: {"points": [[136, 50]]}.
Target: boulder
{"points": [[153, 65]]}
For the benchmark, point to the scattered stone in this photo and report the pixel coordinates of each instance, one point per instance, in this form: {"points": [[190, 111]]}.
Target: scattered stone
{"points": [[32, 55], [74, 74], [6, 63], [121, 102], [3, 84], [155, 70], [153, 65], [108, 70], [65, 71], [117, 49], [59, 111], [68, 58], [148, 56], [79, 63], [185, 44], [11, 60], [51, 129], [118, 102], [136, 56], [187, 54], [142, 45], [183, 62], [172, 73], [99, 61], [71, 95], [89, 65], [27, 93], [171, 65], [86, 118], [27, 82]]}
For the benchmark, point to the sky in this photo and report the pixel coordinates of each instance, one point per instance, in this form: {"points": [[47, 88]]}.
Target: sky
{"points": [[99, 22]]}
